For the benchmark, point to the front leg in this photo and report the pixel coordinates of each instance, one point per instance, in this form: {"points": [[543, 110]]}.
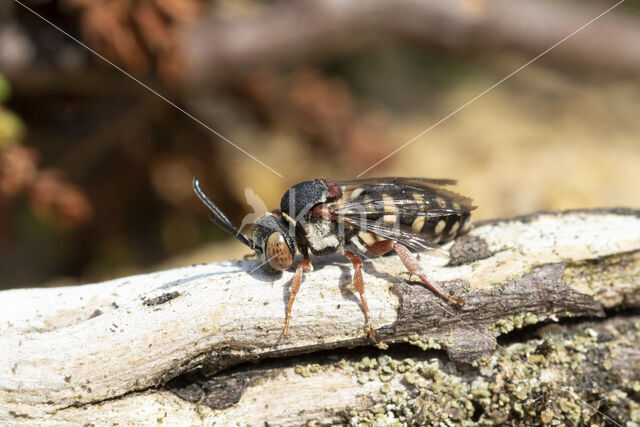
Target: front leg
{"points": [[411, 264], [358, 283], [295, 287]]}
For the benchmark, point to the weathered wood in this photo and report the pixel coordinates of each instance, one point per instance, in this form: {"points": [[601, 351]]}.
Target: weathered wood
{"points": [[105, 347]]}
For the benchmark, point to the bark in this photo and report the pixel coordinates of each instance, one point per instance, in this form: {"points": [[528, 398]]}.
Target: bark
{"points": [[163, 346]]}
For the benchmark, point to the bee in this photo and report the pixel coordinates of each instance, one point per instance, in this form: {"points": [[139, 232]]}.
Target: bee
{"points": [[370, 216]]}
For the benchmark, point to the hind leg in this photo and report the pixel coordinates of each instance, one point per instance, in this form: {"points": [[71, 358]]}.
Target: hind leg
{"points": [[411, 264]]}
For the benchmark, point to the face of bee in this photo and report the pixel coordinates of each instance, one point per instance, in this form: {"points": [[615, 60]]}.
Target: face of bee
{"points": [[276, 246], [277, 252]]}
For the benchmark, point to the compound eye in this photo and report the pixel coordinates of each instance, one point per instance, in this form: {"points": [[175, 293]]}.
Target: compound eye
{"points": [[278, 254]]}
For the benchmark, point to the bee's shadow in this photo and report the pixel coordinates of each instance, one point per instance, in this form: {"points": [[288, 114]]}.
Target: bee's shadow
{"points": [[346, 273], [370, 268], [255, 269], [346, 283], [346, 278]]}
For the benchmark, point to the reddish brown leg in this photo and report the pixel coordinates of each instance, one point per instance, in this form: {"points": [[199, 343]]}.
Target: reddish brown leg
{"points": [[414, 268], [358, 283], [380, 248], [295, 287], [412, 265]]}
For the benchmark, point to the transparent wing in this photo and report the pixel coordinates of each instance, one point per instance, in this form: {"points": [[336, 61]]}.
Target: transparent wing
{"points": [[400, 233], [394, 180], [365, 204], [407, 196]]}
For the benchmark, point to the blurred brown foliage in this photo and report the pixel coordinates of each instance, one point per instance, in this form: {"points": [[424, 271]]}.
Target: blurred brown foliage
{"points": [[50, 195], [17, 170], [322, 108], [139, 34]]}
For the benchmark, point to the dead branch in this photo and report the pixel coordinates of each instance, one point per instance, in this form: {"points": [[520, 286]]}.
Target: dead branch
{"points": [[217, 50], [106, 347], [295, 32]]}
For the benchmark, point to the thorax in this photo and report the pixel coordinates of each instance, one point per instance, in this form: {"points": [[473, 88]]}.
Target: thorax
{"points": [[326, 236]]}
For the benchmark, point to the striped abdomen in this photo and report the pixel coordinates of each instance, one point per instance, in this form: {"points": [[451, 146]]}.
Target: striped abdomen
{"points": [[424, 216], [438, 229]]}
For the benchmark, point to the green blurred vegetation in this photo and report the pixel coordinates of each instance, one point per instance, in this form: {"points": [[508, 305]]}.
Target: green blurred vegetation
{"points": [[11, 127]]}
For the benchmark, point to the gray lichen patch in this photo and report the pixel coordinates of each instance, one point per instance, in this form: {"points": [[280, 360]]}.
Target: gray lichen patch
{"points": [[579, 375], [307, 370], [423, 342], [517, 321]]}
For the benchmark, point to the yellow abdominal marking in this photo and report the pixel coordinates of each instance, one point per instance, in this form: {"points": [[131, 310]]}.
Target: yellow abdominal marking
{"points": [[418, 198], [388, 204], [417, 224], [356, 193], [368, 238], [389, 219]]}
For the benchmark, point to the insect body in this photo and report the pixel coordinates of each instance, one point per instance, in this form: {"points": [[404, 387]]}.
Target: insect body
{"points": [[371, 216]]}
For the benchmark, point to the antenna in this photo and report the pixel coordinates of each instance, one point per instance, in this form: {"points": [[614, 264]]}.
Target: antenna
{"points": [[221, 219]]}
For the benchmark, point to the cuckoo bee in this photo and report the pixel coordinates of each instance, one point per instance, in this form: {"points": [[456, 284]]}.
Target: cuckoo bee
{"points": [[372, 216]]}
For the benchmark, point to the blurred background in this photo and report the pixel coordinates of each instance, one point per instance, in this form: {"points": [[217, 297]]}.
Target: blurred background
{"points": [[95, 170]]}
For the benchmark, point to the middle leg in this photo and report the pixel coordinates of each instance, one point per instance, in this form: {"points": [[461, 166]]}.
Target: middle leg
{"points": [[358, 283]]}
